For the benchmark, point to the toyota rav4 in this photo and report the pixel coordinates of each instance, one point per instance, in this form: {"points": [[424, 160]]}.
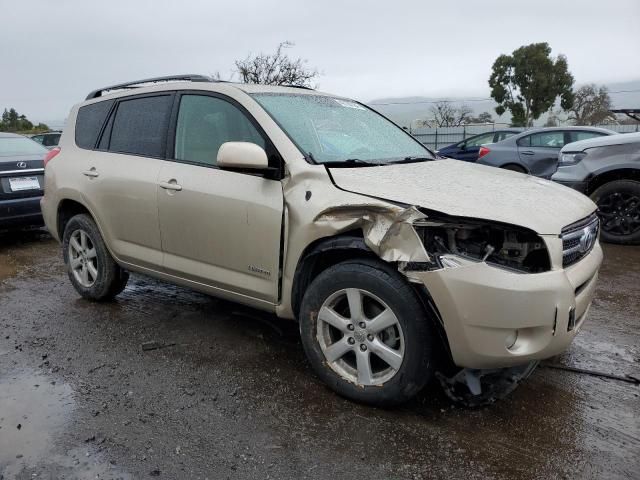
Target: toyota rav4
{"points": [[398, 266]]}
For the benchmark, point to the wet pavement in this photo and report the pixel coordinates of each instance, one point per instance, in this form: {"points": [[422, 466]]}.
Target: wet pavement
{"points": [[221, 391]]}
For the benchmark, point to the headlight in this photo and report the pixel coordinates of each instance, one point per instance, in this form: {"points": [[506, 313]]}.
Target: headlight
{"points": [[503, 246], [570, 158]]}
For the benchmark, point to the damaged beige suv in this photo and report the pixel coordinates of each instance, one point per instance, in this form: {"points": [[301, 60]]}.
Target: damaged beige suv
{"points": [[397, 265]]}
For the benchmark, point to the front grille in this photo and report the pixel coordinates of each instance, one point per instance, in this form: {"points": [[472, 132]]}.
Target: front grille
{"points": [[578, 239]]}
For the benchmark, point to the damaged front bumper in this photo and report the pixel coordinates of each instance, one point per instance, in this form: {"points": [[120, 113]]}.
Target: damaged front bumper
{"points": [[496, 318]]}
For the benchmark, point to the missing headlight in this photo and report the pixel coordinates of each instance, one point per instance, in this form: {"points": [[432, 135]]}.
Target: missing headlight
{"points": [[500, 245]]}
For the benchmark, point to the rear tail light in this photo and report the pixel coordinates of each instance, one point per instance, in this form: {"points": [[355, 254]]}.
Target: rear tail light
{"points": [[483, 151], [52, 153]]}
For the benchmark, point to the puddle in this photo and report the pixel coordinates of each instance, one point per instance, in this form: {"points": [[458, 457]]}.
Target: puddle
{"points": [[35, 412], [32, 410]]}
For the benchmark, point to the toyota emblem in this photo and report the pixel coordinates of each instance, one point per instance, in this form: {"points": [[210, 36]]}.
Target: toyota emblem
{"points": [[21, 164], [587, 239]]}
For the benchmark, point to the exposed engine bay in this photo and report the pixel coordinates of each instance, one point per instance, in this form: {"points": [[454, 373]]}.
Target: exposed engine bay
{"points": [[506, 246]]}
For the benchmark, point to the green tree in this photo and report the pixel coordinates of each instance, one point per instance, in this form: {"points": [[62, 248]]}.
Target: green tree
{"points": [[12, 121], [528, 82], [591, 106]]}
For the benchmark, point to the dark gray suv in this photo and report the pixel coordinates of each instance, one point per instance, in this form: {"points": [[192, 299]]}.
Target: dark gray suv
{"points": [[608, 171], [535, 151]]}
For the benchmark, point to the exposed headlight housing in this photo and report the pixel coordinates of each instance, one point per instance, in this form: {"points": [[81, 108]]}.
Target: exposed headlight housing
{"points": [[570, 158], [503, 246]]}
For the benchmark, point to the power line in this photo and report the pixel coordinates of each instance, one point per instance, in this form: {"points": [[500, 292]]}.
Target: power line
{"points": [[465, 100]]}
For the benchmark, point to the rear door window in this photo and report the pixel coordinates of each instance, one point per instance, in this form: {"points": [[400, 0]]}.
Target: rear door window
{"points": [[89, 122], [553, 139], [503, 135], [140, 126]]}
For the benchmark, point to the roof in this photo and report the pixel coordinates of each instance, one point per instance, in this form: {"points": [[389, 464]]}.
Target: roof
{"points": [[618, 139], [10, 135], [553, 129]]}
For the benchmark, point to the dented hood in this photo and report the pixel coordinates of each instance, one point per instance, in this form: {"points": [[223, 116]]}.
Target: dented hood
{"points": [[468, 190]]}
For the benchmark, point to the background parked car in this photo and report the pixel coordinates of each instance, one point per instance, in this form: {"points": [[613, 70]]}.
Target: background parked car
{"points": [[608, 170], [21, 181], [469, 148], [535, 151], [47, 139]]}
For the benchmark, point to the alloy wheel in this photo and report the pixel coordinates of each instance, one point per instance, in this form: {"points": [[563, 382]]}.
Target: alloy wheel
{"points": [[360, 337], [83, 259], [620, 213]]}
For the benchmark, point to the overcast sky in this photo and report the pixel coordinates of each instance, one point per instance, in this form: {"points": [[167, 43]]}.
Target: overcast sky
{"points": [[52, 53]]}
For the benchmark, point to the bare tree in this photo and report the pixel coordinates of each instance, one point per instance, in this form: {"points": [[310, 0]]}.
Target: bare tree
{"points": [[276, 69], [445, 114], [591, 106]]}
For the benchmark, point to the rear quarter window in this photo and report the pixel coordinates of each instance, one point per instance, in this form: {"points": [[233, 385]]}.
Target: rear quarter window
{"points": [[89, 122]]}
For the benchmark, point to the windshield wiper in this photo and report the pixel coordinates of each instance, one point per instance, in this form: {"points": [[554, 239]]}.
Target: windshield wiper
{"points": [[352, 162], [411, 160]]}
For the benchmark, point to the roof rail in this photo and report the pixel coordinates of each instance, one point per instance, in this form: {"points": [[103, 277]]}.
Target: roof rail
{"points": [[187, 77], [629, 112]]}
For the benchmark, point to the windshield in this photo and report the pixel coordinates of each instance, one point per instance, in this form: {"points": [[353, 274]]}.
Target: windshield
{"points": [[331, 130], [20, 146]]}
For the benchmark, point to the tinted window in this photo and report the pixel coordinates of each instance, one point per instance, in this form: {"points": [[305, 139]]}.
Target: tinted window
{"points": [[106, 134], [89, 122], [205, 123], [51, 140], [38, 138], [140, 126], [583, 135]]}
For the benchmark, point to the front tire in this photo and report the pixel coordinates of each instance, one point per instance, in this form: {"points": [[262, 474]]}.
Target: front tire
{"points": [[619, 210], [366, 333], [92, 271]]}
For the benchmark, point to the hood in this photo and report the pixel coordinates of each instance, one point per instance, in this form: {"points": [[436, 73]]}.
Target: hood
{"points": [[469, 190]]}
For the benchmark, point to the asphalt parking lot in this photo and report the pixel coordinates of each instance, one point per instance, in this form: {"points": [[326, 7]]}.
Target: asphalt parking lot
{"points": [[169, 383]]}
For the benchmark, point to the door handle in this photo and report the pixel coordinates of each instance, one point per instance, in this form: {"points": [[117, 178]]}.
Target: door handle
{"points": [[91, 173], [528, 152], [171, 185]]}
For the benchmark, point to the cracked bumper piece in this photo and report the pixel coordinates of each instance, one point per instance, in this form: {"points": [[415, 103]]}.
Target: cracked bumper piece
{"points": [[497, 318]]}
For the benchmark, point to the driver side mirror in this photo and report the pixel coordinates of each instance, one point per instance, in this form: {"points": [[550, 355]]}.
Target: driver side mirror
{"points": [[243, 155]]}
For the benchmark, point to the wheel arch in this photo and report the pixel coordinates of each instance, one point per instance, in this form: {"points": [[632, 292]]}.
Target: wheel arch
{"points": [[67, 209], [322, 254], [599, 179]]}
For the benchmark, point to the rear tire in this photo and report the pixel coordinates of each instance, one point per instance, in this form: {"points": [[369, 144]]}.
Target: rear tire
{"points": [[91, 268], [379, 352], [619, 211]]}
